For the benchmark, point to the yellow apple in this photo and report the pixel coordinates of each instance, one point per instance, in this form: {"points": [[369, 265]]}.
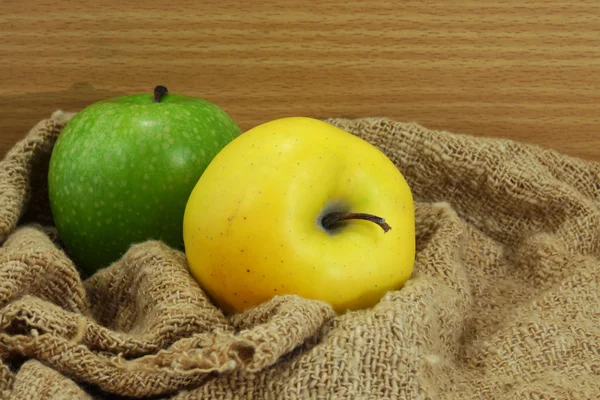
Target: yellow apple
{"points": [[298, 206]]}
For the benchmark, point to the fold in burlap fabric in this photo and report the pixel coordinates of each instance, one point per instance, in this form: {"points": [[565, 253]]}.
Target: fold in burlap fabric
{"points": [[503, 303]]}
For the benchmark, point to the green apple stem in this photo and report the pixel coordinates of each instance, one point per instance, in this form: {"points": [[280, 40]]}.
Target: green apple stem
{"points": [[159, 92], [331, 219]]}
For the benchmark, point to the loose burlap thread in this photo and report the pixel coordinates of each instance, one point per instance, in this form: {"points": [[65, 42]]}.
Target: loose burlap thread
{"points": [[503, 302]]}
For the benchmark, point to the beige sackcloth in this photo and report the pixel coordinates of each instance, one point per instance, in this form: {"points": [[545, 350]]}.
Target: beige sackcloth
{"points": [[504, 301]]}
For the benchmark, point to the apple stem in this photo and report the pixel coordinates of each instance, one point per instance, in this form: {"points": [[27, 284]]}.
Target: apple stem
{"points": [[159, 92], [331, 219]]}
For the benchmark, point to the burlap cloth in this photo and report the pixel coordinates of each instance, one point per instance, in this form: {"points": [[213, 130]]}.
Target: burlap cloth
{"points": [[504, 301]]}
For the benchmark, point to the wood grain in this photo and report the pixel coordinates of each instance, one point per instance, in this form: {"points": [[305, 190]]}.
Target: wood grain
{"points": [[522, 70]]}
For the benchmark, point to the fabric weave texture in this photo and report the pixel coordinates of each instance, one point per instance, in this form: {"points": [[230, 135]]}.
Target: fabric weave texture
{"points": [[504, 301]]}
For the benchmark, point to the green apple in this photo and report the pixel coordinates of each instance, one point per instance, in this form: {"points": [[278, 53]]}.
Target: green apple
{"points": [[122, 169]]}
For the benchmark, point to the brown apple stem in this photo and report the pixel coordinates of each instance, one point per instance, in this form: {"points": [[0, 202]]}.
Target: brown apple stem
{"points": [[159, 92], [331, 219]]}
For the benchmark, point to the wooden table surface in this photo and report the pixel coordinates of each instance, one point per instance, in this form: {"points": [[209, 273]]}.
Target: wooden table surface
{"points": [[528, 71]]}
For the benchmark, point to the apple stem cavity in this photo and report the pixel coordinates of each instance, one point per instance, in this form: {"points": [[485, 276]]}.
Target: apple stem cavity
{"points": [[159, 92], [330, 220]]}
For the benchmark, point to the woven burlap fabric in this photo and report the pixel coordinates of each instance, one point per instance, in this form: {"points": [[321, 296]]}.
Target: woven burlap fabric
{"points": [[503, 302]]}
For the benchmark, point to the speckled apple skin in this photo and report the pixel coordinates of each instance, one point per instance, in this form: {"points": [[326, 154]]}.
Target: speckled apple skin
{"points": [[122, 170]]}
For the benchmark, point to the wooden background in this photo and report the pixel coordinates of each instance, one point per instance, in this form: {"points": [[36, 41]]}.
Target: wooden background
{"points": [[522, 70]]}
